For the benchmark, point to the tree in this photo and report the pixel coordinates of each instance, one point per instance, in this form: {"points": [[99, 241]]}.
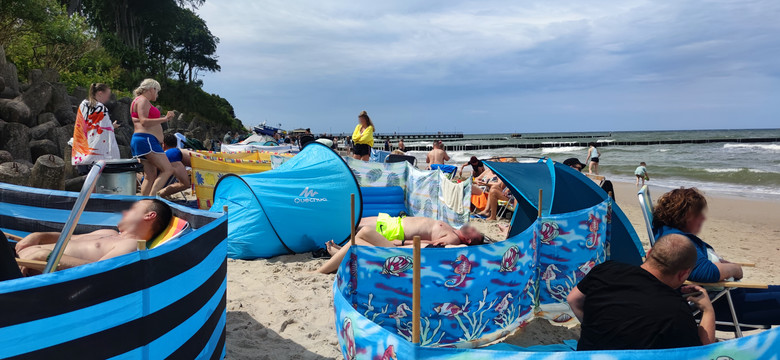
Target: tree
{"points": [[18, 16], [196, 46]]}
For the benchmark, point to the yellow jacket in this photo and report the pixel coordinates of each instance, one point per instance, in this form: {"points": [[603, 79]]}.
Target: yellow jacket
{"points": [[367, 137]]}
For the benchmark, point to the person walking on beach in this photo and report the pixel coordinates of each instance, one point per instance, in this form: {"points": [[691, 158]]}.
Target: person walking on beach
{"points": [[363, 137], [148, 136], [401, 145], [593, 156], [93, 133], [437, 155], [641, 173]]}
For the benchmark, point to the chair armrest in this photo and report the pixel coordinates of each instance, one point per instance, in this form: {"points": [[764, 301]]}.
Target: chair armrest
{"points": [[32, 264], [730, 284]]}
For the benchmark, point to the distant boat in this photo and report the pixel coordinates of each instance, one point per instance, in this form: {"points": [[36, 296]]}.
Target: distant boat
{"points": [[264, 129]]}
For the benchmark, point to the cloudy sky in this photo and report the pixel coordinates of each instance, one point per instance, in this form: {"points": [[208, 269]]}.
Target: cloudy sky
{"points": [[499, 66]]}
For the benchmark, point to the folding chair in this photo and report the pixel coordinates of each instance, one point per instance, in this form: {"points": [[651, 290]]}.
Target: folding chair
{"points": [[395, 158], [723, 288], [503, 206]]}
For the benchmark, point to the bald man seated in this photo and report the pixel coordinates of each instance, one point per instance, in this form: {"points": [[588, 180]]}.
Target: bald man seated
{"points": [[143, 221], [387, 231], [643, 307]]}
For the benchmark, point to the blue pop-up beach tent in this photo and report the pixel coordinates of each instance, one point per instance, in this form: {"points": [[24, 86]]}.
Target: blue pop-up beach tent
{"points": [[563, 190], [294, 208]]}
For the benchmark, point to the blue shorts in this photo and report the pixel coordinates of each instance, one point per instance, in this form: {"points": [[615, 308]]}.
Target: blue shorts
{"points": [[173, 155], [143, 144]]}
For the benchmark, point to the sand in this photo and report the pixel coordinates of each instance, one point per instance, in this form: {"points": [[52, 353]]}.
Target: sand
{"points": [[279, 309]]}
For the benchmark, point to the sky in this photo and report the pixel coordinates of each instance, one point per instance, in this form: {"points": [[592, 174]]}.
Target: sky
{"points": [[499, 66]]}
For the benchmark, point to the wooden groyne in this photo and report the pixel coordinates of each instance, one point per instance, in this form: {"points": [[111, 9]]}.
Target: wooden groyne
{"points": [[418, 136], [541, 137], [456, 147]]}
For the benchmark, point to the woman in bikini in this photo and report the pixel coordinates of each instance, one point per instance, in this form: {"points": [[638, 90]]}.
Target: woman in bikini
{"points": [[148, 136]]}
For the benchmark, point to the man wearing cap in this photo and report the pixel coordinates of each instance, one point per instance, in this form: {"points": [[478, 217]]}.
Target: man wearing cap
{"points": [[477, 167], [574, 163]]}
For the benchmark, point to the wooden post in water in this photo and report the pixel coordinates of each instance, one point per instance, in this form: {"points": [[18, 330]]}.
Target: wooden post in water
{"points": [[540, 204], [416, 311], [352, 219]]}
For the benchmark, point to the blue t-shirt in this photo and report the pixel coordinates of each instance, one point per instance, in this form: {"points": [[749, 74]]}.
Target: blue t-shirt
{"points": [[704, 271], [173, 154]]}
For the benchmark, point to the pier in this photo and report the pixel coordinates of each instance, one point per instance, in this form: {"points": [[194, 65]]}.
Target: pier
{"points": [[456, 147]]}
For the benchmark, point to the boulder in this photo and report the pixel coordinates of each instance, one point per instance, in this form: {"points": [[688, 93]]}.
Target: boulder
{"points": [[15, 138], [120, 112], [5, 157], [46, 117], [61, 106], [60, 136], [9, 73], [41, 131], [43, 147], [36, 76], [74, 101], [14, 110], [75, 184], [47, 173], [125, 152], [25, 163], [51, 75], [80, 93], [2, 83], [37, 97], [123, 134], [15, 173]]}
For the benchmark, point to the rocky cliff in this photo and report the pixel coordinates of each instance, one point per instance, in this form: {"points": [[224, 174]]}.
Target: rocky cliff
{"points": [[36, 123]]}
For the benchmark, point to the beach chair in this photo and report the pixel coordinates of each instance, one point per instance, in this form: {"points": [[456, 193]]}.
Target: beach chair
{"points": [[599, 179], [396, 158], [448, 170], [503, 206], [721, 289]]}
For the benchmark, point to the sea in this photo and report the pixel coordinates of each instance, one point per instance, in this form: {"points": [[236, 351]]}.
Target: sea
{"points": [[729, 168]]}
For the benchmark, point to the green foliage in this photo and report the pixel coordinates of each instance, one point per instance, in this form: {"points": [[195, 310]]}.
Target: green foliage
{"points": [[192, 100], [120, 43]]}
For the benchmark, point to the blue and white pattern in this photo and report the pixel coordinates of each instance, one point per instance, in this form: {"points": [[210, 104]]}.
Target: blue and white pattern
{"points": [[472, 296]]}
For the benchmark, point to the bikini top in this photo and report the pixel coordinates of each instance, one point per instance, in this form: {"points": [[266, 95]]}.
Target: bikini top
{"points": [[154, 113]]}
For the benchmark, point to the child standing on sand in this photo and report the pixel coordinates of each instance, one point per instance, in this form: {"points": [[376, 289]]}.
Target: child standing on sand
{"points": [[641, 173]]}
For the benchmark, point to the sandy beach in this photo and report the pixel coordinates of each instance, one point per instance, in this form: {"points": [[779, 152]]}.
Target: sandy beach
{"points": [[279, 309]]}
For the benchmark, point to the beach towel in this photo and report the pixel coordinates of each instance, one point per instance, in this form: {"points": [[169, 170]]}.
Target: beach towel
{"points": [[93, 135], [452, 195]]}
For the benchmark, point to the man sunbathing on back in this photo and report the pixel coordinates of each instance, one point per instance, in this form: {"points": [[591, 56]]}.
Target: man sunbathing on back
{"points": [[386, 231], [143, 221]]}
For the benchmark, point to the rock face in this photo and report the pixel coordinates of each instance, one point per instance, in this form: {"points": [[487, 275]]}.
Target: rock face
{"points": [[15, 138], [15, 110], [47, 173], [60, 136], [15, 173], [43, 147], [36, 98], [41, 131], [5, 157]]}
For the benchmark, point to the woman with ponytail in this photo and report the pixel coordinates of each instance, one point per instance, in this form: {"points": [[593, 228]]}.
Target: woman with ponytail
{"points": [[93, 133], [148, 137], [363, 137]]}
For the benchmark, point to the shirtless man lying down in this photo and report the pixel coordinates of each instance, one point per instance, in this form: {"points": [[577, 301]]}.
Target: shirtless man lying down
{"points": [[386, 231], [143, 221]]}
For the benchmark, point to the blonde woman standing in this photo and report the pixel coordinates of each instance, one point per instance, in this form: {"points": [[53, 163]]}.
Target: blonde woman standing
{"points": [[148, 136], [363, 137]]}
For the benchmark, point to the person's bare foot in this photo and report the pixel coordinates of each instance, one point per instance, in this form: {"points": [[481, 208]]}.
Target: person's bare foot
{"points": [[332, 247]]}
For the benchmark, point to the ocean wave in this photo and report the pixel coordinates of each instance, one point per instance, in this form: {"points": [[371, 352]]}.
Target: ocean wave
{"points": [[562, 149], [605, 140], [769, 147], [735, 170]]}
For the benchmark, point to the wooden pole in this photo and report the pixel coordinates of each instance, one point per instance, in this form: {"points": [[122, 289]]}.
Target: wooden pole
{"points": [[416, 311], [540, 204], [352, 219], [224, 209], [12, 237], [141, 245]]}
